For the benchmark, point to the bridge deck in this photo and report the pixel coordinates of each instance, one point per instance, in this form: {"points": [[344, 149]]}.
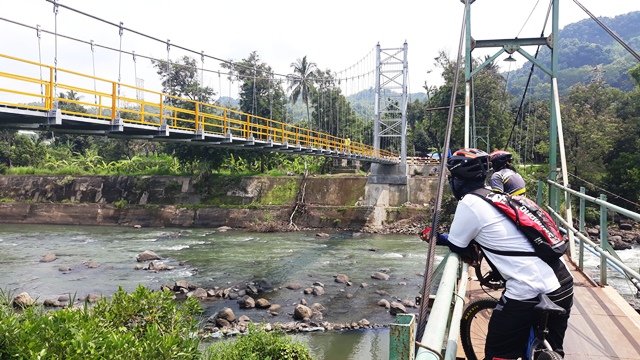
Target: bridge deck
{"points": [[602, 324]]}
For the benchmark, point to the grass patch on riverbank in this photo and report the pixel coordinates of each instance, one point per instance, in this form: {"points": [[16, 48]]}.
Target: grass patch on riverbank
{"points": [[143, 324], [258, 344]]}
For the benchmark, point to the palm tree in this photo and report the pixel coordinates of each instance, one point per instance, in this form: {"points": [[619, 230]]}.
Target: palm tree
{"points": [[301, 81]]}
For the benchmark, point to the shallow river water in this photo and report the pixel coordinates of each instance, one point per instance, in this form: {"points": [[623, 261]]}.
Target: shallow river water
{"points": [[209, 258]]}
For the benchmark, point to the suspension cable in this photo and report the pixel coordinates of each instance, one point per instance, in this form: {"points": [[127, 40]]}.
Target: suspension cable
{"points": [[55, 56], [428, 274], [93, 66], [605, 191], [120, 32], [526, 87], [39, 35]]}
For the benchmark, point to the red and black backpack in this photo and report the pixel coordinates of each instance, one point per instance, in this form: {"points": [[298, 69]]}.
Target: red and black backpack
{"points": [[535, 223]]}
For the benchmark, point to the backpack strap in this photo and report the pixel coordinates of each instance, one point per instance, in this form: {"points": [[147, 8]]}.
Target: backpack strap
{"points": [[482, 193]]}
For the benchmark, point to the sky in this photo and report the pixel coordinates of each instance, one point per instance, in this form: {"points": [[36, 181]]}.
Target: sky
{"points": [[333, 34]]}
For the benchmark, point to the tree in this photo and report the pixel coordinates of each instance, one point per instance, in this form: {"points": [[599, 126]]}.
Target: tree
{"points": [[261, 94], [301, 82], [590, 127], [180, 79], [635, 74]]}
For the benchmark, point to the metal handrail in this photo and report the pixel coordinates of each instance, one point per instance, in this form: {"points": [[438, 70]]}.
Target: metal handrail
{"points": [[628, 213], [204, 118], [606, 259]]}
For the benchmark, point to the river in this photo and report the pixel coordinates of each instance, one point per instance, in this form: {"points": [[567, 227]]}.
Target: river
{"points": [[209, 258]]}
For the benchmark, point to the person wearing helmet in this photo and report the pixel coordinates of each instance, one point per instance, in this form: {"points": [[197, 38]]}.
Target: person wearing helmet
{"points": [[526, 276], [505, 179]]}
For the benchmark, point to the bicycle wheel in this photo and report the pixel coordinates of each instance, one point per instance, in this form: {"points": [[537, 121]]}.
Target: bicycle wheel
{"points": [[474, 325], [548, 355]]}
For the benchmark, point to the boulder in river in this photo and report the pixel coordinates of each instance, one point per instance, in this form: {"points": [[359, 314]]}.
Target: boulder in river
{"points": [[23, 300], [147, 255], [48, 257]]}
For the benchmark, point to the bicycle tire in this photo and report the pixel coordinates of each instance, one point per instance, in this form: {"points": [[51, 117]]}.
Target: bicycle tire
{"points": [[474, 327], [548, 355]]}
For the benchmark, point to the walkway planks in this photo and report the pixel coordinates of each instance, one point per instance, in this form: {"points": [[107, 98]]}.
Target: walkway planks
{"points": [[602, 324]]}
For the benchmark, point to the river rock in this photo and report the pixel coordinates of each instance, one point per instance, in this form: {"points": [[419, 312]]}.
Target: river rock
{"points": [[181, 284], [51, 303], [247, 302], [198, 293], [64, 268], [384, 303], [262, 303], [397, 308], [364, 323], [302, 312], [251, 290], [380, 276], [226, 314], [408, 303], [318, 290], [23, 300], [147, 255], [322, 235], [382, 293], [294, 286], [92, 298], [307, 291], [91, 264], [158, 266], [222, 323], [48, 257], [243, 319], [274, 308], [342, 278], [318, 307]]}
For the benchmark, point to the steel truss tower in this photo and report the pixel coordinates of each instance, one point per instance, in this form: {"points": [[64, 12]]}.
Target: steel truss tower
{"points": [[391, 98]]}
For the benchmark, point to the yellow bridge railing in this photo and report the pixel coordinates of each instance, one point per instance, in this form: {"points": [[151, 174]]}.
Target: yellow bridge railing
{"points": [[36, 86]]}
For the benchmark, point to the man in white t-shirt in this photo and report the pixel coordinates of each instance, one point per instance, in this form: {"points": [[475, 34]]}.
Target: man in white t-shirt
{"points": [[526, 275]]}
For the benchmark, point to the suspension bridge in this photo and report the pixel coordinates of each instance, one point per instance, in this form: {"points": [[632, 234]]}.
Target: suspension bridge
{"points": [[36, 96], [30, 99]]}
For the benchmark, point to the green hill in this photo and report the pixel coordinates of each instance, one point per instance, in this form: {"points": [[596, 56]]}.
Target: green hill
{"points": [[586, 52]]}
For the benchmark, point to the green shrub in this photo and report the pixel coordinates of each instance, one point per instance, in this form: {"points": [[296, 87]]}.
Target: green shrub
{"points": [[281, 194], [120, 204], [139, 325], [258, 344]]}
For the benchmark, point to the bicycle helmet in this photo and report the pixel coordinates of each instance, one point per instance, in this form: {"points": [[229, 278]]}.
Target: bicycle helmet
{"points": [[469, 164], [500, 159]]}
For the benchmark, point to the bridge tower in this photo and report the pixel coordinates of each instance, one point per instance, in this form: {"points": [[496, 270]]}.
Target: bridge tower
{"points": [[388, 185], [390, 107], [511, 46]]}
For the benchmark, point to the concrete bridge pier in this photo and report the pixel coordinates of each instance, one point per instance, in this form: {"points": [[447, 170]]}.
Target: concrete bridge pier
{"points": [[387, 186]]}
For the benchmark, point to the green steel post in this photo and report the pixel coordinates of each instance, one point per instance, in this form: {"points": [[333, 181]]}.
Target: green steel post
{"points": [[402, 337], [553, 130], [467, 75], [604, 240], [539, 193], [581, 228]]}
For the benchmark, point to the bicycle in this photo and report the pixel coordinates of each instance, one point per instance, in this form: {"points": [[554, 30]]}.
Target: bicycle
{"points": [[476, 315]]}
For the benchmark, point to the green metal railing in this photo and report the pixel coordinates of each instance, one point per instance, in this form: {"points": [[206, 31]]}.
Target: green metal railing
{"points": [[444, 319], [608, 256]]}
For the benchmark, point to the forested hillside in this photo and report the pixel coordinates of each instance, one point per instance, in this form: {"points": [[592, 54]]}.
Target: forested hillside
{"points": [[587, 53]]}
